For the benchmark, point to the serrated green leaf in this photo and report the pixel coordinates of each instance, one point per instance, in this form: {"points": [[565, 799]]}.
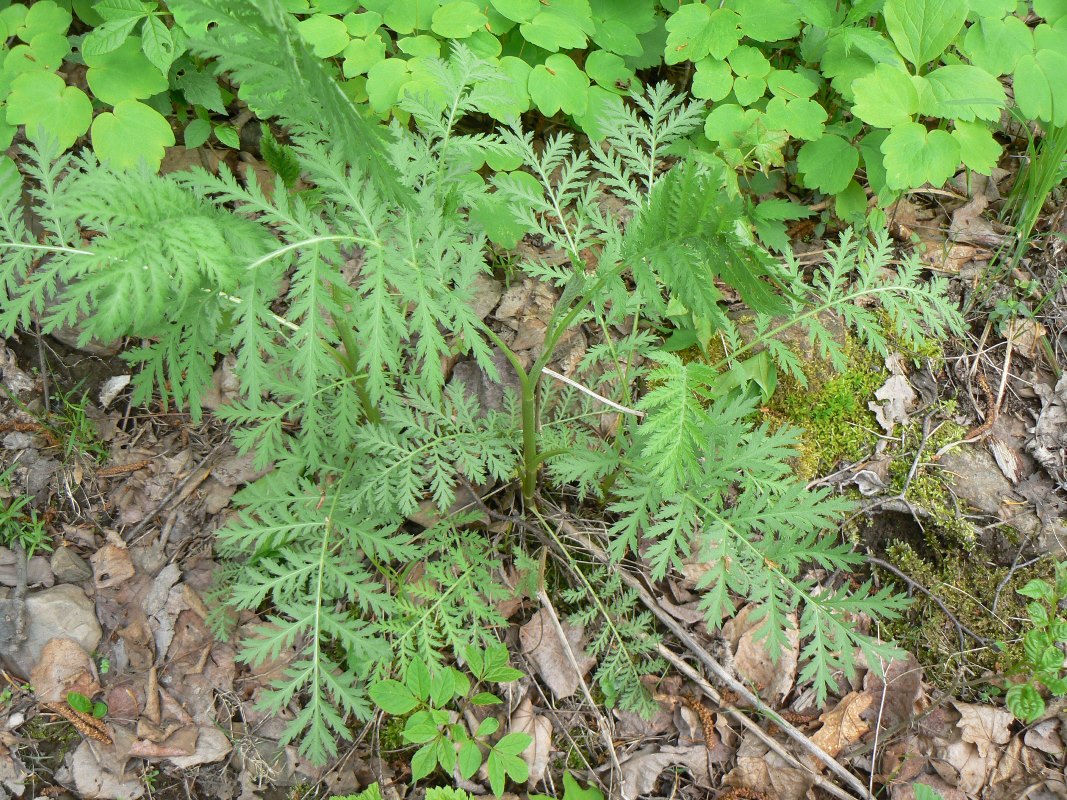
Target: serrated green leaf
{"points": [[424, 761], [886, 97], [827, 163], [124, 74], [130, 133], [362, 24], [469, 759], [122, 9], [41, 101], [1037, 589], [393, 697], [47, 50], [558, 85], [696, 31], [196, 133], [458, 20], [922, 29], [108, 37], [158, 44], [915, 156], [1025, 702], [228, 135], [200, 87], [487, 727]]}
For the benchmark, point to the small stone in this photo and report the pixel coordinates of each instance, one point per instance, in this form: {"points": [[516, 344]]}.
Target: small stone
{"points": [[69, 567], [60, 612]]}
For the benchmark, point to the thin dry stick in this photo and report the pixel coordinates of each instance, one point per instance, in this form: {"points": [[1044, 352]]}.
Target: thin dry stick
{"points": [[752, 725], [575, 385], [715, 667], [1003, 377], [569, 652]]}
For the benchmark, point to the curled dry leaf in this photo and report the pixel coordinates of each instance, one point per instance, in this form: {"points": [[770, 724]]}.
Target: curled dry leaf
{"points": [[63, 667], [641, 771], [548, 654], [111, 566], [765, 771], [540, 730]]}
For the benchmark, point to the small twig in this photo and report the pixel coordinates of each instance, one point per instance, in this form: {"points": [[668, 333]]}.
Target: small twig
{"points": [[575, 385], [961, 629], [1003, 378], [568, 651]]}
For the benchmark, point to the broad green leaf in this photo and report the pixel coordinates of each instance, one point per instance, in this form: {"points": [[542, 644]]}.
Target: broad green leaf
{"points": [[421, 46], [327, 35], [874, 160], [130, 133], [697, 31], [712, 80], [158, 44], [108, 37], [469, 759], [922, 29], [610, 71], [505, 98], [404, 16], [513, 743], [1038, 614], [362, 54], [997, 45], [42, 101], [616, 37], [767, 20], [458, 20], [517, 10], [560, 25], [47, 51], [558, 85], [915, 156], [486, 699], [600, 103], [791, 85], [421, 727], [978, 149], [963, 92], [820, 13], [802, 119], [827, 163], [1037, 589], [1052, 11], [79, 702], [885, 98], [424, 761], [44, 16], [750, 67], [362, 24], [487, 727], [392, 697], [442, 688], [124, 74], [990, 8], [1047, 37], [384, 82], [196, 133], [1040, 87], [417, 679], [924, 792], [850, 204], [726, 121], [228, 135]]}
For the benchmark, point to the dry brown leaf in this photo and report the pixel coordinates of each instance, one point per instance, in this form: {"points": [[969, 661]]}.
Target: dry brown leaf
{"points": [[844, 725], [63, 667], [543, 647], [111, 566], [773, 679], [959, 763], [903, 687], [539, 728], [1045, 736], [641, 771], [765, 771], [985, 727]]}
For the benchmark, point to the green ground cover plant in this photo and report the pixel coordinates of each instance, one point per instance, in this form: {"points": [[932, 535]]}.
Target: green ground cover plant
{"points": [[342, 302]]}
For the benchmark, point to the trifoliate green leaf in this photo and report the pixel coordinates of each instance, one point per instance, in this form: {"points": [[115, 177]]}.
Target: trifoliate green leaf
{"points": [[802, 118], [767, 20], [922, 29], [751, 68], [697, 31], [1040, 88], [560, 25], [791, 85], [558, 85], [196, 133], [362, 54], [712, 80], [886, 97], [827, 163], [130, 133], [726, 121], [457, 20], [915, 156], [517, 10], [978, 149], [996, 45], [158, 45], [42, 101], [327, 35], [384, 82], [960, 91], [124, 74], [47, 50], [44, 17], [610, 71]]}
